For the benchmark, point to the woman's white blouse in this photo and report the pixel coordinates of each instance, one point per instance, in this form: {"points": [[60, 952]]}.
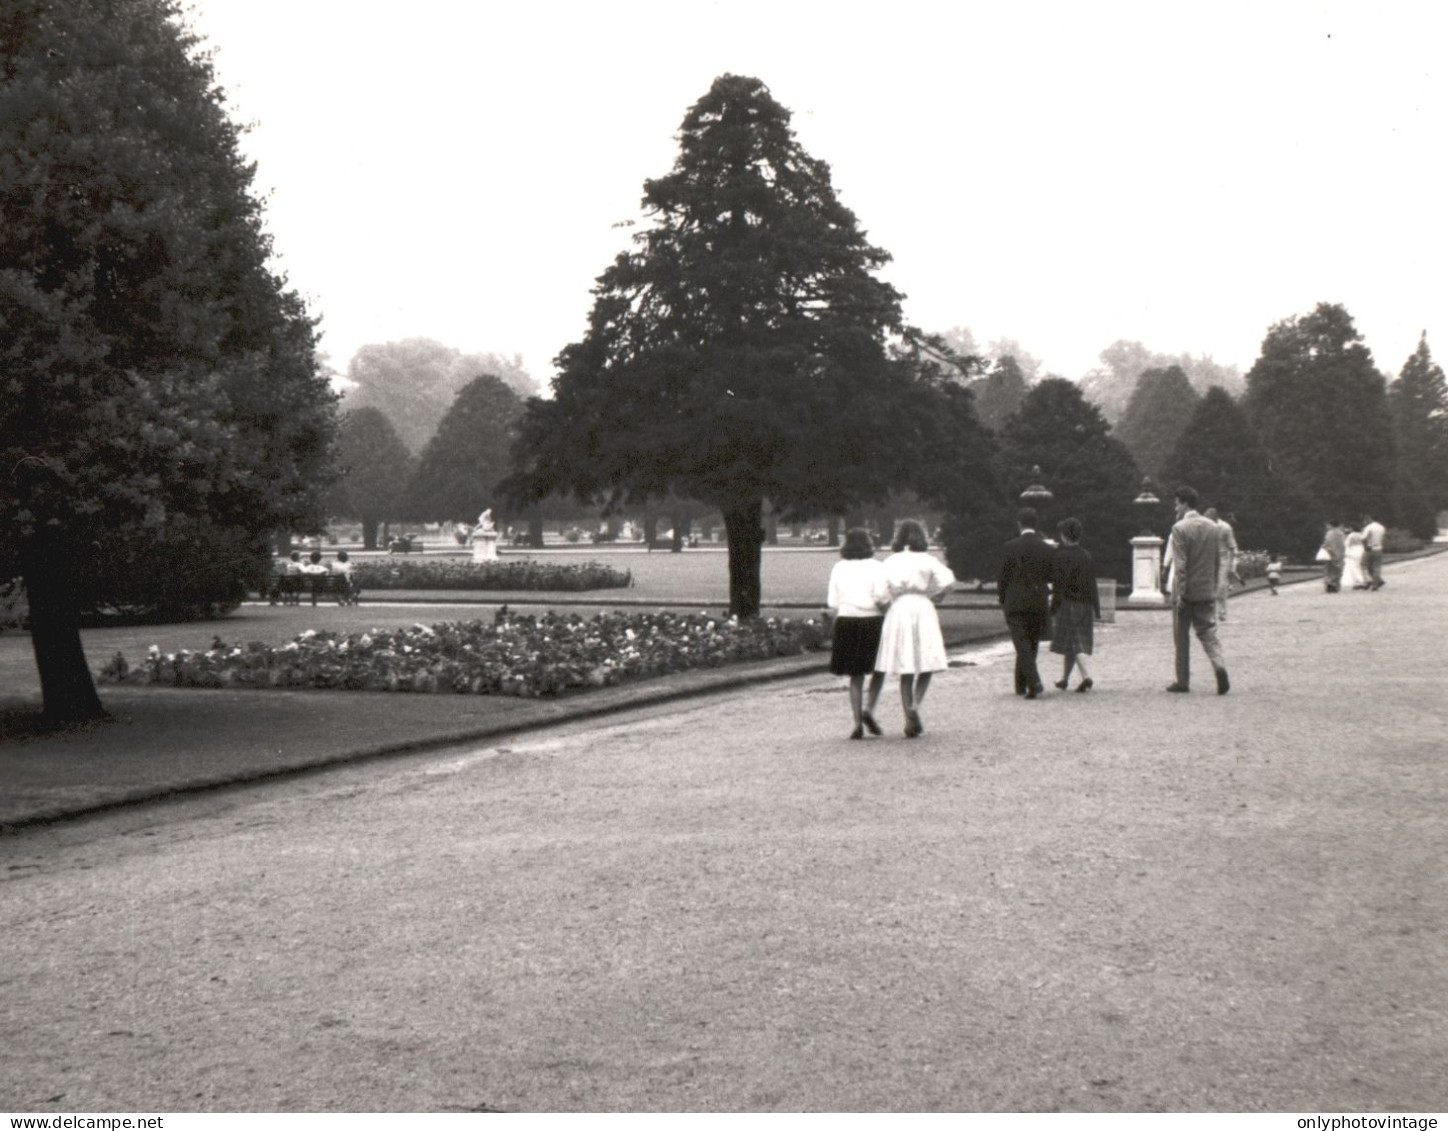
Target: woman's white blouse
{"points": [[858, 587], [911, 571]]}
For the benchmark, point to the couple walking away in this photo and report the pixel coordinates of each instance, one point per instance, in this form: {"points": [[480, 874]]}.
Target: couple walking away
{"points": [[886, 622], [1038, 582]]}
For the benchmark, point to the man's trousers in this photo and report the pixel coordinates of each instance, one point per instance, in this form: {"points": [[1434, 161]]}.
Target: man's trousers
{"points": [[1200, 616]]}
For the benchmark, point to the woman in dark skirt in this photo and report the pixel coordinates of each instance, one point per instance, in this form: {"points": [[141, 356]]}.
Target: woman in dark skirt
{"points": [[1075, 604], [858, 594]]}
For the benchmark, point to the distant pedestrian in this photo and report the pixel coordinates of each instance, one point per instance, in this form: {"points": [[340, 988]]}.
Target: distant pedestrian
{"points": [[1195, 551], [1374, 537], [1354, 576], [859, 592], [1024, 592], [1334, 545], [1274, 573], [911, 644], [1075, 604], [1226, 560]]}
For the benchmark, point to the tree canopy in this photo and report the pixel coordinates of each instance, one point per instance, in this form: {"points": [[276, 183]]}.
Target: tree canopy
{"points": [[1218, 455], [1418, 400], [1110, 385], [1318, 406], [1155, 416], [374, 467], [1089, 472], [415, 381], [468, 455], [739, 352], [159, 379]]}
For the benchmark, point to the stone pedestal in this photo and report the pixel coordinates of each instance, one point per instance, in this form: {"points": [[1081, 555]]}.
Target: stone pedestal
{"points": [[485, 545], [1146, 571]]}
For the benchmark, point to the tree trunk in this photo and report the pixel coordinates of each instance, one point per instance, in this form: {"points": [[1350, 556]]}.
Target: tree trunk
{"points": [[535, 533], [771, 528], [834, 529], [681, 531], [745, 530], [369, 534], [67, 688], [651, 529]]}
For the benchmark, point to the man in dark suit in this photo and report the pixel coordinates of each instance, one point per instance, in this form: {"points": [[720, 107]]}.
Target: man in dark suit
{"points": [[1024, 591]]}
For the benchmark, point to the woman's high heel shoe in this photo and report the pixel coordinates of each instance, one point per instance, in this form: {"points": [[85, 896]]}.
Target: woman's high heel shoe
{"points": [[1086, 685], [858, 732], [870, 724], [1061, 684]]}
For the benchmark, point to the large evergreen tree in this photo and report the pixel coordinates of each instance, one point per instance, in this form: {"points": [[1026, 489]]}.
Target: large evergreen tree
{"points": [[1419, 403], [739, 353], [468, 456], [1218, 455], [1089, 472], [374, 467], [1319, 408], [158, 379], [1155, 416]]}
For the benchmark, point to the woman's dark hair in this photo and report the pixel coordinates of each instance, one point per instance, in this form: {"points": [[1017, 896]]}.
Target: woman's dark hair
{"points": [[296, 555], [342, 556], [316, 556], [1070, 529], [857, 544], [910, 534]]}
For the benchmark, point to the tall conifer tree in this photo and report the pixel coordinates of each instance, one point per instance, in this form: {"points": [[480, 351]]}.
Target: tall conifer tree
{"points": [[739, 353], [158, 379]]}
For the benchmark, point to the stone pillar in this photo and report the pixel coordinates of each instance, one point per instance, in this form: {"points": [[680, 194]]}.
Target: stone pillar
{"points": [[1146, 571], [485, 545]]}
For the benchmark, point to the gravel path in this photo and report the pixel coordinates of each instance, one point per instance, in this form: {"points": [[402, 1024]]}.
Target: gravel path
{"points": [[1122, 901]]}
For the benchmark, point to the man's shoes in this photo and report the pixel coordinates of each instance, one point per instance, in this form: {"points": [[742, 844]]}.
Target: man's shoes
{"points": [[870, 724], [1223, 683], [1180, 688]]}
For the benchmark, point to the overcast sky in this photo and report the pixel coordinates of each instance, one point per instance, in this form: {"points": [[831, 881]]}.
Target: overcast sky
{"points": [[1062, 174]]}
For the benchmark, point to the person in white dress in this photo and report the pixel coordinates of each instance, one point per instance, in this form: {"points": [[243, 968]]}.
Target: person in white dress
{"points": [[858, 594], [911, 645], [1354, 571]]}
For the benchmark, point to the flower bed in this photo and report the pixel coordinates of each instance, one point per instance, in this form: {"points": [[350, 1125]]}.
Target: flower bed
{"points": [[513, 655], [512, 576]]}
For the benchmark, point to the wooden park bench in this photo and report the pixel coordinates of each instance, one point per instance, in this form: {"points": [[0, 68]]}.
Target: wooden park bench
{"points": [[290, 588]]}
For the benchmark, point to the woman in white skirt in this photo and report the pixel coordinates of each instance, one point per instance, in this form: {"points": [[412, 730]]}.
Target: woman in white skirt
{"points": [[910, 641]]}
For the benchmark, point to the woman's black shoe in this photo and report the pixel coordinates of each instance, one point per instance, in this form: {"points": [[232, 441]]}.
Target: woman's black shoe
{"points": [[1061, 684], [1086, 685], [858, 732], [870, 724]]}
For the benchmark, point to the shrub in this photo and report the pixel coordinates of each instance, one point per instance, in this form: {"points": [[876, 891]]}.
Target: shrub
{"points": [[505, 576], [513, 655]]}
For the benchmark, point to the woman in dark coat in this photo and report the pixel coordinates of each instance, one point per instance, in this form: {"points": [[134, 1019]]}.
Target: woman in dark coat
{"points": [[1075, 604]]}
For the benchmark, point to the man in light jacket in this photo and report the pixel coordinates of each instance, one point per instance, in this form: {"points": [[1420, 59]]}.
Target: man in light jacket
{"points": [[1196, 557]]}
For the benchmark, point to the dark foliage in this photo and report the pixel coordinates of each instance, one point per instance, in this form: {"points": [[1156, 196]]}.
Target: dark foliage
{"points": [[468, 455], [739, 353], [159, 380]]}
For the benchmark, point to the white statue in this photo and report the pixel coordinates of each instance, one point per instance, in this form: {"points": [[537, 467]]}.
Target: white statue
{"points": [[485, 538]]}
